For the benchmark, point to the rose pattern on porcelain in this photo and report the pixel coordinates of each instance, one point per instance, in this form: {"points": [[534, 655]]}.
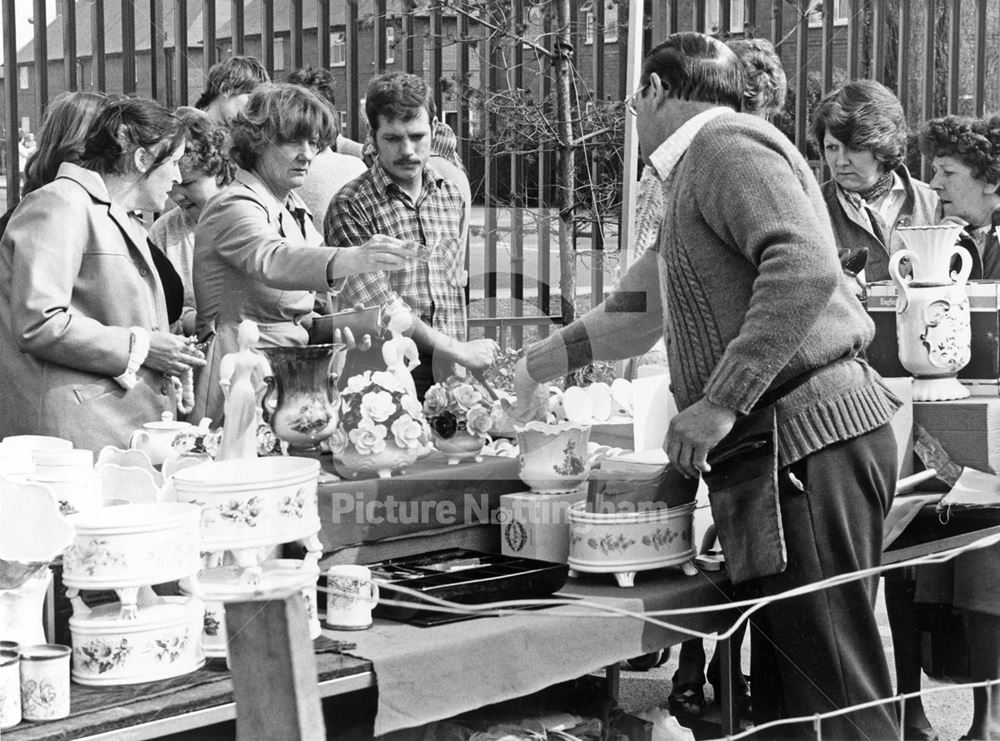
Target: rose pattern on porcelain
{"points": [[39, 698], [162, 641], [947, 332], [101, 559]]}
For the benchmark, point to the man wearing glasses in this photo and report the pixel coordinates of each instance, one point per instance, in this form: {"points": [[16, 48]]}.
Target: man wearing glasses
{"points": [[745, 286]]}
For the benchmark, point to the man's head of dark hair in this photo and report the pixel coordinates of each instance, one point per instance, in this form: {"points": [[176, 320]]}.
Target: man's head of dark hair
{"points": [[236, 75], [698, 68], [397, 96]]}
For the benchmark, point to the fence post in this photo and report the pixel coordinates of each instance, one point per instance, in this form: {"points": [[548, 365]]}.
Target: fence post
{"points": [[274, 670]]}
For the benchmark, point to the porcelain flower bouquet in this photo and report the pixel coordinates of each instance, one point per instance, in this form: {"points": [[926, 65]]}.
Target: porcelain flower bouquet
{"points": [[381, 428], [460, 417]]}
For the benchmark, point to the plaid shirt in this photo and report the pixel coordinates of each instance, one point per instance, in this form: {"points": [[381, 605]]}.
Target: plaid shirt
{"points": [[433, 291]]}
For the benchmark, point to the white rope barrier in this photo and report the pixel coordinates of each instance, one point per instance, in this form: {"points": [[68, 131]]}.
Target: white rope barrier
{"points": [[588, 609]]}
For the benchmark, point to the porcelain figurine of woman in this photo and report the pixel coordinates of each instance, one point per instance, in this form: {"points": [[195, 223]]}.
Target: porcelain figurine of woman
{"points": [[242, 379], [400, 352]]}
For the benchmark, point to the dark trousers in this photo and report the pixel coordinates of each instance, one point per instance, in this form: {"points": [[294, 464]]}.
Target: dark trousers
{"points": [[823, 651]]}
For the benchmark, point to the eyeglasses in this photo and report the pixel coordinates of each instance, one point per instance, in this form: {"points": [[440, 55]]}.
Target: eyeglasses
{"points": [[633, 99]]}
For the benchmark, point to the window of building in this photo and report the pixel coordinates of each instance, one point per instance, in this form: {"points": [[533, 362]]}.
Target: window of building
{"points": [[841, 12], [713, 14], [610, 22], [279, 53], [390, 44], [23, 77], [338, 49]]}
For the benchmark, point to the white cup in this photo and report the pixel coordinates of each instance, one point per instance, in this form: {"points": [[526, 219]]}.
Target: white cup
{"points": [[352, 595], [45, 681], [10, 687]]}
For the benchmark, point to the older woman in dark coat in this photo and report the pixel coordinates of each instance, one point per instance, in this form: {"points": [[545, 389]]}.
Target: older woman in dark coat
{"points": [[861, 131]]}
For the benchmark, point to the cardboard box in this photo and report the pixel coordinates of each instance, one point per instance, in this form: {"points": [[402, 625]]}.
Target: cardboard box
{"points": [[983, 370], [537, 525], [968, 429]]}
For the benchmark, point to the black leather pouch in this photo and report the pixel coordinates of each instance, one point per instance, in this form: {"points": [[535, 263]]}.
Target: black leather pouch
{"points": [[743, 494]]}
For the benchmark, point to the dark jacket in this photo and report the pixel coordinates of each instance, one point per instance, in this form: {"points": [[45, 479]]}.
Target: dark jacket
{"points": [[870, 248]]}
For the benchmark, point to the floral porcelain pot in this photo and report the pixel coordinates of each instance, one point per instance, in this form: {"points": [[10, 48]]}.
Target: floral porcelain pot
{"points": [[71, 476], [553, 457], [227, 583], [156, 439], [132, 545], [623, 543], [252, 503], [932, 311], [459, 447], [163, 641], [390, 460]]}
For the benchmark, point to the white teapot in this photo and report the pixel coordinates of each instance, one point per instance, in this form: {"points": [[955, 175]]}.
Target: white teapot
{"points": [[156, 439]]}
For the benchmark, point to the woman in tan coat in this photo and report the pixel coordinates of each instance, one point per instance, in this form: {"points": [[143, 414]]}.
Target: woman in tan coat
{"points": [[85, 348]]}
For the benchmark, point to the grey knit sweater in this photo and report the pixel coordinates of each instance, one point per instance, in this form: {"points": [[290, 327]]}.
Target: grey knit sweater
{"points": [[747, 266]]}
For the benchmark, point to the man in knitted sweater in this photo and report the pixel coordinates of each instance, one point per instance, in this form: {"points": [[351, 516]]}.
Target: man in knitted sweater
{"points": [[746, 288]]}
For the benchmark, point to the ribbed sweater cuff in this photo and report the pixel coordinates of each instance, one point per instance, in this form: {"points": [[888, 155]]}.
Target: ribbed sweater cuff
{"points": [[559, 353], [735, 386]]}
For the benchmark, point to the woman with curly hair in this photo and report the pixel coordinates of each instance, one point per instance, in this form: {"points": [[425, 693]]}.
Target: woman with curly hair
{"points": [[257, 254], [861, 131], [205, 171], [965, 155]]}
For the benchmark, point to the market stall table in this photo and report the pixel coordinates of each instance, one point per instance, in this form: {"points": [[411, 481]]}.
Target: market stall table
{"points": [[394, 655]]}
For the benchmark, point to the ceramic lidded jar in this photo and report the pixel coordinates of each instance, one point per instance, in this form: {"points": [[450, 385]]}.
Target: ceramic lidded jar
{"points": [[932, 311], [553, 458]]}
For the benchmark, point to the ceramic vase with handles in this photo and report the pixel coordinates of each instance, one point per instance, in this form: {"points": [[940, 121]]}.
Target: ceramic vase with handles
{"points": [[305, 378], [932, 310]]}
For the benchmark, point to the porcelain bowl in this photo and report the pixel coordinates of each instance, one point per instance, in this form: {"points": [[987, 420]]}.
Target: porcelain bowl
{"points": [[164, 640], [630, 541], [553, 458], [132, 545], [227, 583], [252, 503]]}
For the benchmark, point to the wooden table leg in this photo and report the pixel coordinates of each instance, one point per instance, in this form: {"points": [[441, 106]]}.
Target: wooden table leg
{"points": [[274, 671], [729, 716]]}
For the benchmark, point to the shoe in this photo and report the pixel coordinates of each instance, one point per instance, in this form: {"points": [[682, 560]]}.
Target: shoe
{"points": [[686, 698], [741, 696]]}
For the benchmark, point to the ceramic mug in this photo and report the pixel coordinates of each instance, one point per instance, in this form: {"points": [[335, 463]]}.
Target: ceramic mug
{"points": [[45, 681], [10, 686], [352, 595]]}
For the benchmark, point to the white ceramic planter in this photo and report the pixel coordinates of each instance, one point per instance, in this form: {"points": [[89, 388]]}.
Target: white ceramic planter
{"points": [[252, 503], [392, 459], [229, 583], [623, 543], [132, 545], [553, 457], [21, 610], [462, 446], [164, 640]]}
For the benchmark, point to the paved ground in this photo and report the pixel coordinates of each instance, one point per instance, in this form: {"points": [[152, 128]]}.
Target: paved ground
{"points": [[949, 711]]}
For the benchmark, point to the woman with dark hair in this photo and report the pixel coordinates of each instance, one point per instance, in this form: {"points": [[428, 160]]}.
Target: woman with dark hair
{"points": [[85, 348], [861, 131], [965, 155], [205, 171], [257, 254]]}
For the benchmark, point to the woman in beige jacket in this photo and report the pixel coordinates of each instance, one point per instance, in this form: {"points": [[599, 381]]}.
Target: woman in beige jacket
{"points": [[85, 348]]}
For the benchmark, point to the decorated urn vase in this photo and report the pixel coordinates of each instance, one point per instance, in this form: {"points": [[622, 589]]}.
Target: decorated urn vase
{"points": [[932, 310], [553, 458]]}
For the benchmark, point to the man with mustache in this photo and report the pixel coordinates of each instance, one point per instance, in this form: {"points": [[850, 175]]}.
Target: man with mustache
{"points": [[404, 197]]}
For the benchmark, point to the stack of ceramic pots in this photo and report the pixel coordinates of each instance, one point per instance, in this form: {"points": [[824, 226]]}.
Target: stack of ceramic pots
{"points": [[143, 637], [67, 471], [248, 509]]}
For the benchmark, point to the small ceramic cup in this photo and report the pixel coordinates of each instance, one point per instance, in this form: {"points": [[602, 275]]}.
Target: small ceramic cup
{"points": [[351, 597], [45, 681], [10, 686]]}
